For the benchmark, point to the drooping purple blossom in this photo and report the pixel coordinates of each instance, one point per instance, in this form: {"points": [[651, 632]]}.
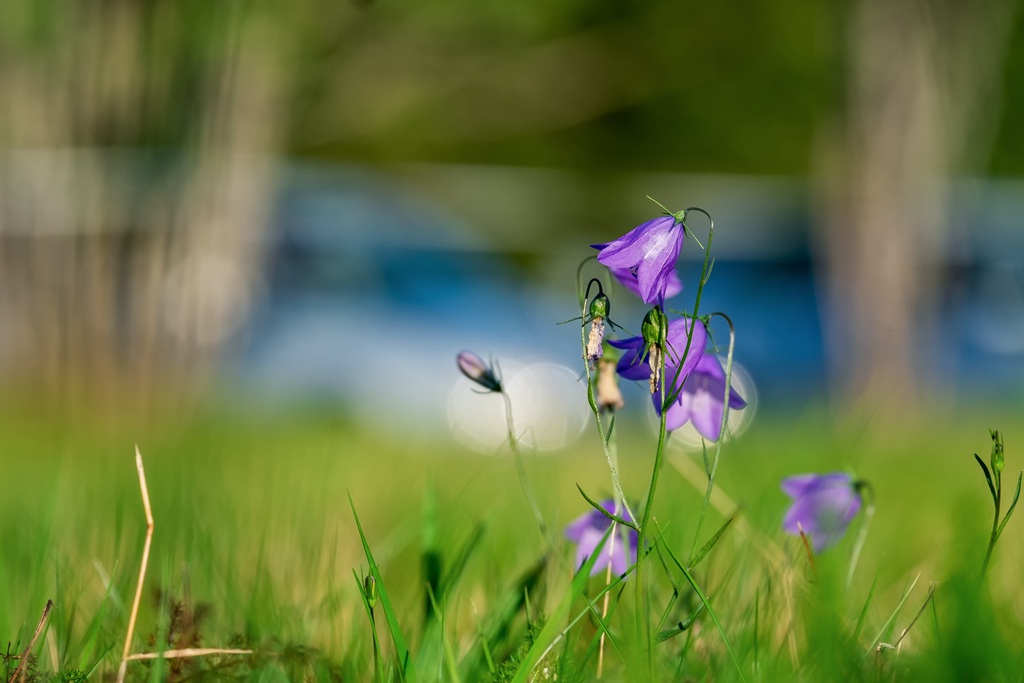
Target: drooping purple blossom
{"points": [[627, 278], [701, 397], [644, 259], [587, 530], [823, 506]]}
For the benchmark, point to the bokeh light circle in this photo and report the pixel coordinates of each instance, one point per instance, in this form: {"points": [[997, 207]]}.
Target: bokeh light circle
{"points": [[549, 408]]}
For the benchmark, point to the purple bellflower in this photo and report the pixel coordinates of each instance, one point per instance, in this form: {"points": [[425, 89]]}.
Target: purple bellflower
{"points": [[644, 259], [627, 278], [823, 506], [635, 362], [587, 530], [701, 398]]}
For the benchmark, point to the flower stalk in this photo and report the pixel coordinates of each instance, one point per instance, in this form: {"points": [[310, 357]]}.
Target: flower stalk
{"points": [[995, 487]]}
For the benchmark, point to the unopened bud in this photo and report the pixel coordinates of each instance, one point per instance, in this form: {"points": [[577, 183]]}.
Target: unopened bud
{"points": [[473, 367], [600, 306], [609, 398], [997, 452], [370, 589], [654, 328]]}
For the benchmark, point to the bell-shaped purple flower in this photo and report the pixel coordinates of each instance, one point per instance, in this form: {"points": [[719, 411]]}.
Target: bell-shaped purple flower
{"points": [[627, 278], [823, 506], [644, 259], [702, 397], [634, 363], [587, 530]]}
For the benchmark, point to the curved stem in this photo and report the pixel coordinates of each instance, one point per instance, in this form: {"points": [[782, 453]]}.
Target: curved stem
{"points": [[610, 454], [997, 499]]}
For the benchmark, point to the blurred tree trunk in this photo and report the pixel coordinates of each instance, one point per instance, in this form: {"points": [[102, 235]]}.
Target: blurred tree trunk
{"points": [[922, 81], [135, 146]]}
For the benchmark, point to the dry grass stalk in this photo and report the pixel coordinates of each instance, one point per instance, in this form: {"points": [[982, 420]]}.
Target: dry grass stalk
{"points": [[20, 671], [186, 652], [167, 654]]}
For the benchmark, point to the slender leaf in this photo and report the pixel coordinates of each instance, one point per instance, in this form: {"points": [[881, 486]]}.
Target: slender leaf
{"points": [[864, 610], [988, 476], [1009, 511], [551, 631], [695, 560], [711, 612], [600, 508], [406, 666], [886, 630], [446, 646]]}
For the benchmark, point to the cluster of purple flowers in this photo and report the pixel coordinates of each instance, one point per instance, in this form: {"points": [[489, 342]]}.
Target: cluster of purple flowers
{"points": [[674, 356], [644, 261]]}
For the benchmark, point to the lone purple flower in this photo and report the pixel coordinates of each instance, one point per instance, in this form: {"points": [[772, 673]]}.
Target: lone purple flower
{"points": [[644, 259], [823, 506], [701, 399], [588, 530]]}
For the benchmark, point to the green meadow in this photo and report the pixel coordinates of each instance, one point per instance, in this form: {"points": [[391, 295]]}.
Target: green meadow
{"points": [[255, 547]]}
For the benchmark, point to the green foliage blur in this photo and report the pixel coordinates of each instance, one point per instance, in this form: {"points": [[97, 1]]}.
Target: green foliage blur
{"points": [[255, 546]]}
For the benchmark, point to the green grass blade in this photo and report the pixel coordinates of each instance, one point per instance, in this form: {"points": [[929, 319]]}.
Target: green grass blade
{"points": [[886, 631], [446, 646], [685, 625], [988, 476], [499, 620], [711, 613], [406, 665], [373, 625], [864, 610], [451, 578], [1009, 511], [552, 629], [702, 553]]}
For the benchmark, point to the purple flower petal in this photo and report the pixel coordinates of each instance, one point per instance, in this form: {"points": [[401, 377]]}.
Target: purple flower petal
{"points": [[627, 278], [647, 253], [634, 363], [823, 507], [701, 398], [587, 531]]}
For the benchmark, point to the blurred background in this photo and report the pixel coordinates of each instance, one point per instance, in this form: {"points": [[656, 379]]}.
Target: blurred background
{"points": [[321, 203]]}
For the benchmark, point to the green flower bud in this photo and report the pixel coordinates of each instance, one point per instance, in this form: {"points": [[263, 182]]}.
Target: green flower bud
{"points": [[997, 452], [370, 590], [600, 306], [654, 328]]}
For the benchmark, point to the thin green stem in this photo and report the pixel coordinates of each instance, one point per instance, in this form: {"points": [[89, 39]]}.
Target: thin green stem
{"points": [[862, 534], [521, 469], [723, 427], [997, 498], [666, 397], [610, 454]]}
